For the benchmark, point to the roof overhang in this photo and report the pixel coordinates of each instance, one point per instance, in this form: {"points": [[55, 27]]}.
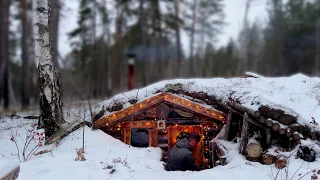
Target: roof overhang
{"points": [[149, 103]]}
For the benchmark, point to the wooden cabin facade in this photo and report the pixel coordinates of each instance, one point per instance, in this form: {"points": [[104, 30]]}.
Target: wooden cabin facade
{"points": [[158, 120]]}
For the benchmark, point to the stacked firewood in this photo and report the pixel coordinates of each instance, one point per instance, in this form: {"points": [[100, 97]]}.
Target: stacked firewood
{"points": [[278, 121]]}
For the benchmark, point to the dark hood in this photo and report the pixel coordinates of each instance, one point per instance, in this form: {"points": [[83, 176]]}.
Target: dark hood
{"points": [[183, 143]]}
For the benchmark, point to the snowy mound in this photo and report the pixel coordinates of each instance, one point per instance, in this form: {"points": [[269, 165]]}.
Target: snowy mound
{"points": [[297, 95]]}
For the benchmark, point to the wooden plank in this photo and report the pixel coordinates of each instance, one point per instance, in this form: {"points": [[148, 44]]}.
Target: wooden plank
{"points": [[126, 114], [153, 137], [213, 152], [244, 134]]}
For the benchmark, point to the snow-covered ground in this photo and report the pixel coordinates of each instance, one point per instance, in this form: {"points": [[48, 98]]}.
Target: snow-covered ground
{"points": [[105, 154], [298, 95], [109, 158]]}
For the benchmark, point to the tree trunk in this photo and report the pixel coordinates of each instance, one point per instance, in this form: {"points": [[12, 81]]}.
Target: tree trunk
{"points": [[193, 26], [145, 71], [4, 50], [178, 37], [24, 56], [51, 117], [95, 84], [55, 19], [116, 54]]}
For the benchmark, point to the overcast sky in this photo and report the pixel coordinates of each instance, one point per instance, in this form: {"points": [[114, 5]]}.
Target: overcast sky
{"points": [[234, 10]]}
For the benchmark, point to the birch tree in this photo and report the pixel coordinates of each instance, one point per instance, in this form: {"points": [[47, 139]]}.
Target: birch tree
{"points": [[51, 117]]}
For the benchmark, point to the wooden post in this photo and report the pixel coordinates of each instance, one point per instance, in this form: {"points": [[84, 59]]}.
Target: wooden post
{"points": [[228, 125], [244, 134], [213, 152]]}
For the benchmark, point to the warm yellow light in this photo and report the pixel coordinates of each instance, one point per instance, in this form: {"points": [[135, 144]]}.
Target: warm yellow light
{"points": [[148, 123], [176, 125], [140, 105], [189, 104], [114, 115]]}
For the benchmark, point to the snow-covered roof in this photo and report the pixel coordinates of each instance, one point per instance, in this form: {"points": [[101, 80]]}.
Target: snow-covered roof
{"points": [[297, 95]]}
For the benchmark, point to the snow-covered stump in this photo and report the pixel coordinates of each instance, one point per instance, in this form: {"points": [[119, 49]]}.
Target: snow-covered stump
{"points": [[9, 172], [51, 116]]}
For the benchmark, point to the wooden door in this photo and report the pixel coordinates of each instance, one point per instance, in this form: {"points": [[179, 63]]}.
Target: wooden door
{"points": [[173, 132], [153, 137]]}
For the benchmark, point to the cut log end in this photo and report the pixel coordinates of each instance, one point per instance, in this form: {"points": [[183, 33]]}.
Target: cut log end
{"points": [[254, 150], [269, 122], [282, 131], [275, 126]]}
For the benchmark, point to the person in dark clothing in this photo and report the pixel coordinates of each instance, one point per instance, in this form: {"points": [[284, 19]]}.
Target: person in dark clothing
{"points": [[180, 157]]}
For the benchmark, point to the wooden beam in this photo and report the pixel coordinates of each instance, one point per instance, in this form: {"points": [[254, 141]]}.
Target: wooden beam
{"points": [[194, 107], [130, 117], [244, 134], [256, 123], [228, 125], [243, 109]]}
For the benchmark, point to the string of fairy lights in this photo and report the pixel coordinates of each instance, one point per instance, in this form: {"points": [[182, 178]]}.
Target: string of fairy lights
{"points": [[153, 100]]}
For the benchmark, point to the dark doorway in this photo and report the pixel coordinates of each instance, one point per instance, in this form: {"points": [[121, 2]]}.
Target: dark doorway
{"points": [[139, 137]]}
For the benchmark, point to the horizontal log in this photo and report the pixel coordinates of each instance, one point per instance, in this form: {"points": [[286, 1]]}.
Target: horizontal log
{"points": [[297, 136], [287, 119], [295, 127], [269, 122], [256, 123], [277, 114], [275, 126], [243, 109], [262, 119], [282, 130], [268, 159]]}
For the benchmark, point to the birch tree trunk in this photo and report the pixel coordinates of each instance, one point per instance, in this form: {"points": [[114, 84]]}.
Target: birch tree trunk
{"points": [[51, 117], [54, 21]]}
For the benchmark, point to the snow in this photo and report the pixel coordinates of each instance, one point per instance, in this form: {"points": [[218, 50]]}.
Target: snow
{"points": [[6, 167], [297, 95], [103, 153]]}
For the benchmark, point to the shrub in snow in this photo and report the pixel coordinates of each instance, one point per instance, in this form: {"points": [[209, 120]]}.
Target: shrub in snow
{"points": [[112, 166], [80, 155], [31, 143]]}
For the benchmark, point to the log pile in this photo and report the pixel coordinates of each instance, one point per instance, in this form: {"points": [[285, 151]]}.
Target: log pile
{"points": [[277, 114]]}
